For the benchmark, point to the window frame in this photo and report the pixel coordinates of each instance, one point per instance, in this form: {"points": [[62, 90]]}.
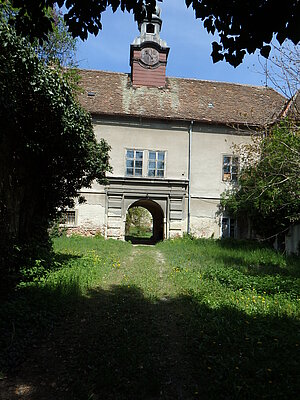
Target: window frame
{"points": [[134, 159], [156, 160], [231, 165], [65, 221], [145, 163]]}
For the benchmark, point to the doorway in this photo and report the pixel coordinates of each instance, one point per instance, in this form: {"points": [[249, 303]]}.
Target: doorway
{"points": [[144, 222]]}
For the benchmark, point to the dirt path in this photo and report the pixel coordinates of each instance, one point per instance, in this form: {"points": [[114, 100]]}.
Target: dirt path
{"points": [[125, 340]]}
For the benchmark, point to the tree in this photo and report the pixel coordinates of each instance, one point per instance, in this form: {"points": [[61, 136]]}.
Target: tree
{"points": [[139, 218], [243, 25], [48, 150], [59, 47], [268, 189], [282, 69]]}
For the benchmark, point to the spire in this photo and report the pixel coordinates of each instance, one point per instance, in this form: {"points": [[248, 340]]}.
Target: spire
{"points": [[149, 54], [150, 30]]}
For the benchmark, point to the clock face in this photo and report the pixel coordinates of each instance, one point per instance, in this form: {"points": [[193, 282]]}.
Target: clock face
{"points": [[149, 56]]}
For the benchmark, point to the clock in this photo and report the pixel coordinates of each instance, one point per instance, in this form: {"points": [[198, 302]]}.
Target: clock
{"points": [[149, 56]]}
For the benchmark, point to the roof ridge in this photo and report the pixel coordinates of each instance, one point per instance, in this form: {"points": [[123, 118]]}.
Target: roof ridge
{"points": [[102, 70], [260, 87], [224, 82]]}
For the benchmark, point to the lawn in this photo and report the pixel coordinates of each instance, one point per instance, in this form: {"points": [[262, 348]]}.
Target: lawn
{"points": [[185, 319]]}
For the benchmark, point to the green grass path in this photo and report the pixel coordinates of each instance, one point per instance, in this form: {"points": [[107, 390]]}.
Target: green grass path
{"points": [[125, 340], [185, 319]]}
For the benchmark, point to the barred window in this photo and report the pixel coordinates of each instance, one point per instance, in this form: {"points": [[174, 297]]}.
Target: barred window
{"points": [[69, 217]]}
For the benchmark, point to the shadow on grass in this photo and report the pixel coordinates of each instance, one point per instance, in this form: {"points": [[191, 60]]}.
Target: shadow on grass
{"points": [[235, 244], [117, 344], [140, 240], [260, 265], [290, 271], [9, 281]]}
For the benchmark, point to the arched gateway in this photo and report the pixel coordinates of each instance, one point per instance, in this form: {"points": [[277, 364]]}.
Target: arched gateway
{"points": [[158, 218], [164, 199]]}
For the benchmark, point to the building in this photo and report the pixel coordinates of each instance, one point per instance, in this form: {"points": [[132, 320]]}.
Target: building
{"points": [[171, 142]]}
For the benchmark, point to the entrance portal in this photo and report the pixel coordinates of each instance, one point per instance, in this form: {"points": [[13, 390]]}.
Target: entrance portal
{"points": [[155, 228]]}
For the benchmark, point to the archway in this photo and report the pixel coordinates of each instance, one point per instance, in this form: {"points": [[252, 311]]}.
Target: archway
{"points": [[157, 215]]}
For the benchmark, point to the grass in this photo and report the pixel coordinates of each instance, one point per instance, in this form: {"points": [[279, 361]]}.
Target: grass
{"points": [[139, 232], [185, 319], [244, 336], [47, 292]]}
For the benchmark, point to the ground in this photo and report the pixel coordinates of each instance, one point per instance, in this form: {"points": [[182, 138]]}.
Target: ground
{"points": [[113, 321], [138, 331]]}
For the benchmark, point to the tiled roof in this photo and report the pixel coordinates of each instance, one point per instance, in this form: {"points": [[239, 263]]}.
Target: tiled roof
{"points": [[110, 93]]}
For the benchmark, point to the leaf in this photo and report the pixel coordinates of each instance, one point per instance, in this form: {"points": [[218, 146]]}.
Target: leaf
{"points": [[265, 51]]}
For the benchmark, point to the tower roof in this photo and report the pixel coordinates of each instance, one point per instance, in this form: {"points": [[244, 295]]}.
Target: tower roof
{"points": [[153, 34]]}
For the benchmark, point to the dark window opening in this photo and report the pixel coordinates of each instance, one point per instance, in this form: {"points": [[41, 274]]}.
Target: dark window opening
{"points": [[228, 227], [150, 28]]}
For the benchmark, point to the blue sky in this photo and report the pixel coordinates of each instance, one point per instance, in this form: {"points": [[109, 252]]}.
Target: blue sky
{"points": [[190, 45]]}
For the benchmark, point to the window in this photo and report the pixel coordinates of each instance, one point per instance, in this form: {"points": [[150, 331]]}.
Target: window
{"points": [[156, 164], [230, 168], [228, 227], [150, 28], [137, 162], [134, 162], [69, 218]]}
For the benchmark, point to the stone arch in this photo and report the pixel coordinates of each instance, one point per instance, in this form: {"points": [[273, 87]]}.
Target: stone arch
{"points": [[157, 215]]}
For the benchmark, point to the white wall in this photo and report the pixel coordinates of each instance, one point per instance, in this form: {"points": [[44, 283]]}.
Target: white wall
{"points": [[209, 144], [208, 149], [173, 141]]}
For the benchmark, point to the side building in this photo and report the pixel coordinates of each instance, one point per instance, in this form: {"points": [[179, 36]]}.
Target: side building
{"points": [[171, 141]]}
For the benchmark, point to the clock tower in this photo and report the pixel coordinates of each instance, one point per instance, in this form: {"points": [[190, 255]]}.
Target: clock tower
{"points": [[149, 54]]}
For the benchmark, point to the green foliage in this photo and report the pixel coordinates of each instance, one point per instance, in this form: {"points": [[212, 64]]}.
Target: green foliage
{"points": [[235, 22], [48, 148], [138, 222], [59, 47], [268, 190]]}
